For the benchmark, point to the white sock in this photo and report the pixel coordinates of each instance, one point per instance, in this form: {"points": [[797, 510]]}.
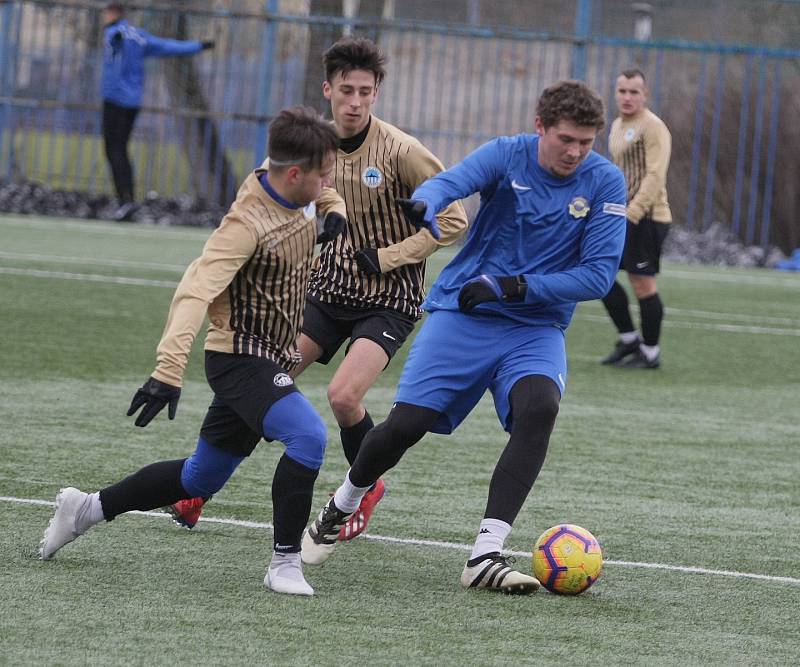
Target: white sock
{"points": [[650, 351], [491, 537], [90, 514], [287, 566], [629, 337], [348, 497]]}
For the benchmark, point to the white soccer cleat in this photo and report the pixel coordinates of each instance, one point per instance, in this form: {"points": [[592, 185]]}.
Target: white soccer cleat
{"points": [[285, 575], [492, 571], [63, 527], [321, 537]]}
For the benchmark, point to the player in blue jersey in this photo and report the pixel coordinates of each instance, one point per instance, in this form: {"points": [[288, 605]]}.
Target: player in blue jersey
{"points": [[121, 86], [549, 233]]}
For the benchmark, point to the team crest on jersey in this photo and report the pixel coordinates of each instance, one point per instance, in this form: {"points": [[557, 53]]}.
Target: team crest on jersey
{"points": [[579, 207], [310, 211], [630, 133], [282, 380], [372, 177]]}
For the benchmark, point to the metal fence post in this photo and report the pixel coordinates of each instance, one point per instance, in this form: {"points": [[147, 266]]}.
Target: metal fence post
{"points": [[583, 24], [265, 83], [7, 50]]}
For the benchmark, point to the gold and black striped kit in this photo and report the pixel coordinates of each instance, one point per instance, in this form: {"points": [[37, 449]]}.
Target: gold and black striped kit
{"points": [[388, 165], [251, 279], [641, 147]]}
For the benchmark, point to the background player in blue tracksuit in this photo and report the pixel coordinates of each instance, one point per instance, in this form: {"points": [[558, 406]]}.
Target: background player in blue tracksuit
{"points": [[549, 233], [122, 83]]}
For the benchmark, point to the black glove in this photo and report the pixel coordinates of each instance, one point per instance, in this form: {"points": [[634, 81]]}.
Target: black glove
{"points": [[207, 44], [491, 288], [154, 395], [418, 215], [332, 226], [367, 260]]}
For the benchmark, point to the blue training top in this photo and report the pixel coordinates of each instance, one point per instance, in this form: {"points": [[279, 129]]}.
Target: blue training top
{"points": [[124, 51], [565, 235]]}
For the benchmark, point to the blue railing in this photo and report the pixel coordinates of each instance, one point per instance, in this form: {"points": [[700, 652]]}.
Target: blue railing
{"points": [[454, 87]]}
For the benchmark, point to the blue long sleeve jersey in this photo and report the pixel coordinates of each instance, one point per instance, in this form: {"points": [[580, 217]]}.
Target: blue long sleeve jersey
{"points": [[124, 51], [565, 235]]}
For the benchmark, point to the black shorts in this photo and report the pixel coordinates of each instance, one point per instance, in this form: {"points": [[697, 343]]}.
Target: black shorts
{"points": [[643, 243], [244, 388], [329, 325]]}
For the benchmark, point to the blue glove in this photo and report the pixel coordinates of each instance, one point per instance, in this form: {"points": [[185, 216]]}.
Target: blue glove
{"points": [[491, 288], [420, 214]]}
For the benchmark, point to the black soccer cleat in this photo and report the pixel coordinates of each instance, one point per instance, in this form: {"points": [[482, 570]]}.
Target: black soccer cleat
{"points": [[639, 360], [322, 535], [620, 351]]}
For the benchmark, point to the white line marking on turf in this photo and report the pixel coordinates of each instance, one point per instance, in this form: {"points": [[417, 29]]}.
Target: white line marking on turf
{"points": [[88, 277], [775, 281], [450, 545], [728, 328], [124, 280], [101, 227], [96, 261]]}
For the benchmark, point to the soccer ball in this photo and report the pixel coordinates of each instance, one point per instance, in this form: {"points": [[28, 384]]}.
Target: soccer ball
{"points": [[567, 559]]}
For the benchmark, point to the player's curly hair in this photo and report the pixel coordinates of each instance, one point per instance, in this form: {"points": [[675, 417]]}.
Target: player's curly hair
{"points": [[300, 136], [571, 100], [352, 53]]}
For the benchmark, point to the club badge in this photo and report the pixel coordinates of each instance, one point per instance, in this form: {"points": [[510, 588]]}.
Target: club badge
{"points": [[282, 380], [372, 177], [629, 134], [579, 207]]}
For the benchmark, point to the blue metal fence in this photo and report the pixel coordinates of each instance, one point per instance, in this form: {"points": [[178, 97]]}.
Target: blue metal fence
{"points": [[729, 108]]}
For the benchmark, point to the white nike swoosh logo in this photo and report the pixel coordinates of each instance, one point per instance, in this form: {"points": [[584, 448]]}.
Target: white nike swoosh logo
{"points": [[517, 186], [388, 336], [641, 265]]}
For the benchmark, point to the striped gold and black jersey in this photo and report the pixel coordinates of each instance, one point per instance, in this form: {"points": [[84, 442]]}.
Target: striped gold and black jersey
{"points": [[251, 280], [387, 166], [641, 147]]}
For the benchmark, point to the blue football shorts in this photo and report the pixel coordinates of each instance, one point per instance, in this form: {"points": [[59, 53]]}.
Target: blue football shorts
{"points": [[456, 357]]}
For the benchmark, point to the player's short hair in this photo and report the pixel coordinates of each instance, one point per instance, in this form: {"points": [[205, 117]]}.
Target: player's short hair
{"points": [[633, 72], [352, 53], [300, 136], [115, 8], [573, 101]]}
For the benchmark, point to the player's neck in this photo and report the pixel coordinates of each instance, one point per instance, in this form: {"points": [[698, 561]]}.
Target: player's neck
{"points": [[352, 143]]}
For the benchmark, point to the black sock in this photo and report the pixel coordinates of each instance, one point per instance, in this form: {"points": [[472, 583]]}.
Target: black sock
{"points": [[534, 401], [292, 491], [385, 444], [353, 435], [156, 485], [616, 303], [652, 312]]}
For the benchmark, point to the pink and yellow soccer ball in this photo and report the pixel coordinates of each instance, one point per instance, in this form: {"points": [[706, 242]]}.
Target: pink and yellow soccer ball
{"points": [[567, 559]]}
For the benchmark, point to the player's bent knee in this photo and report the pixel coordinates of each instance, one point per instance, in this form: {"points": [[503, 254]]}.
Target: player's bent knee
{"points": [[307, 444], [293, 421], [207, 470]]}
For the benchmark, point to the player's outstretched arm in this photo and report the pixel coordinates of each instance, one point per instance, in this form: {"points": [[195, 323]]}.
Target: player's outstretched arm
{"points": [[154, 395]]}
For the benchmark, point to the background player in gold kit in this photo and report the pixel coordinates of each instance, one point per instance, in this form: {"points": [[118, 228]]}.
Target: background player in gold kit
{"points": [[367, 286], [640, 145]]}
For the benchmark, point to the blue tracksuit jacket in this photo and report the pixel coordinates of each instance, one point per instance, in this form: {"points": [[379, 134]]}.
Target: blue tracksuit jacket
{"points": [[124, 51]]}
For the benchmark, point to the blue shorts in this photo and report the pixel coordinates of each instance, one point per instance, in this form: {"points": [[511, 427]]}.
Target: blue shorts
{"points": [[456, 357]]}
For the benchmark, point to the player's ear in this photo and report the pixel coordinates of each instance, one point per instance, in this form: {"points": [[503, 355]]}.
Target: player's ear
{"points": [[326, 89], [539, 126]]}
